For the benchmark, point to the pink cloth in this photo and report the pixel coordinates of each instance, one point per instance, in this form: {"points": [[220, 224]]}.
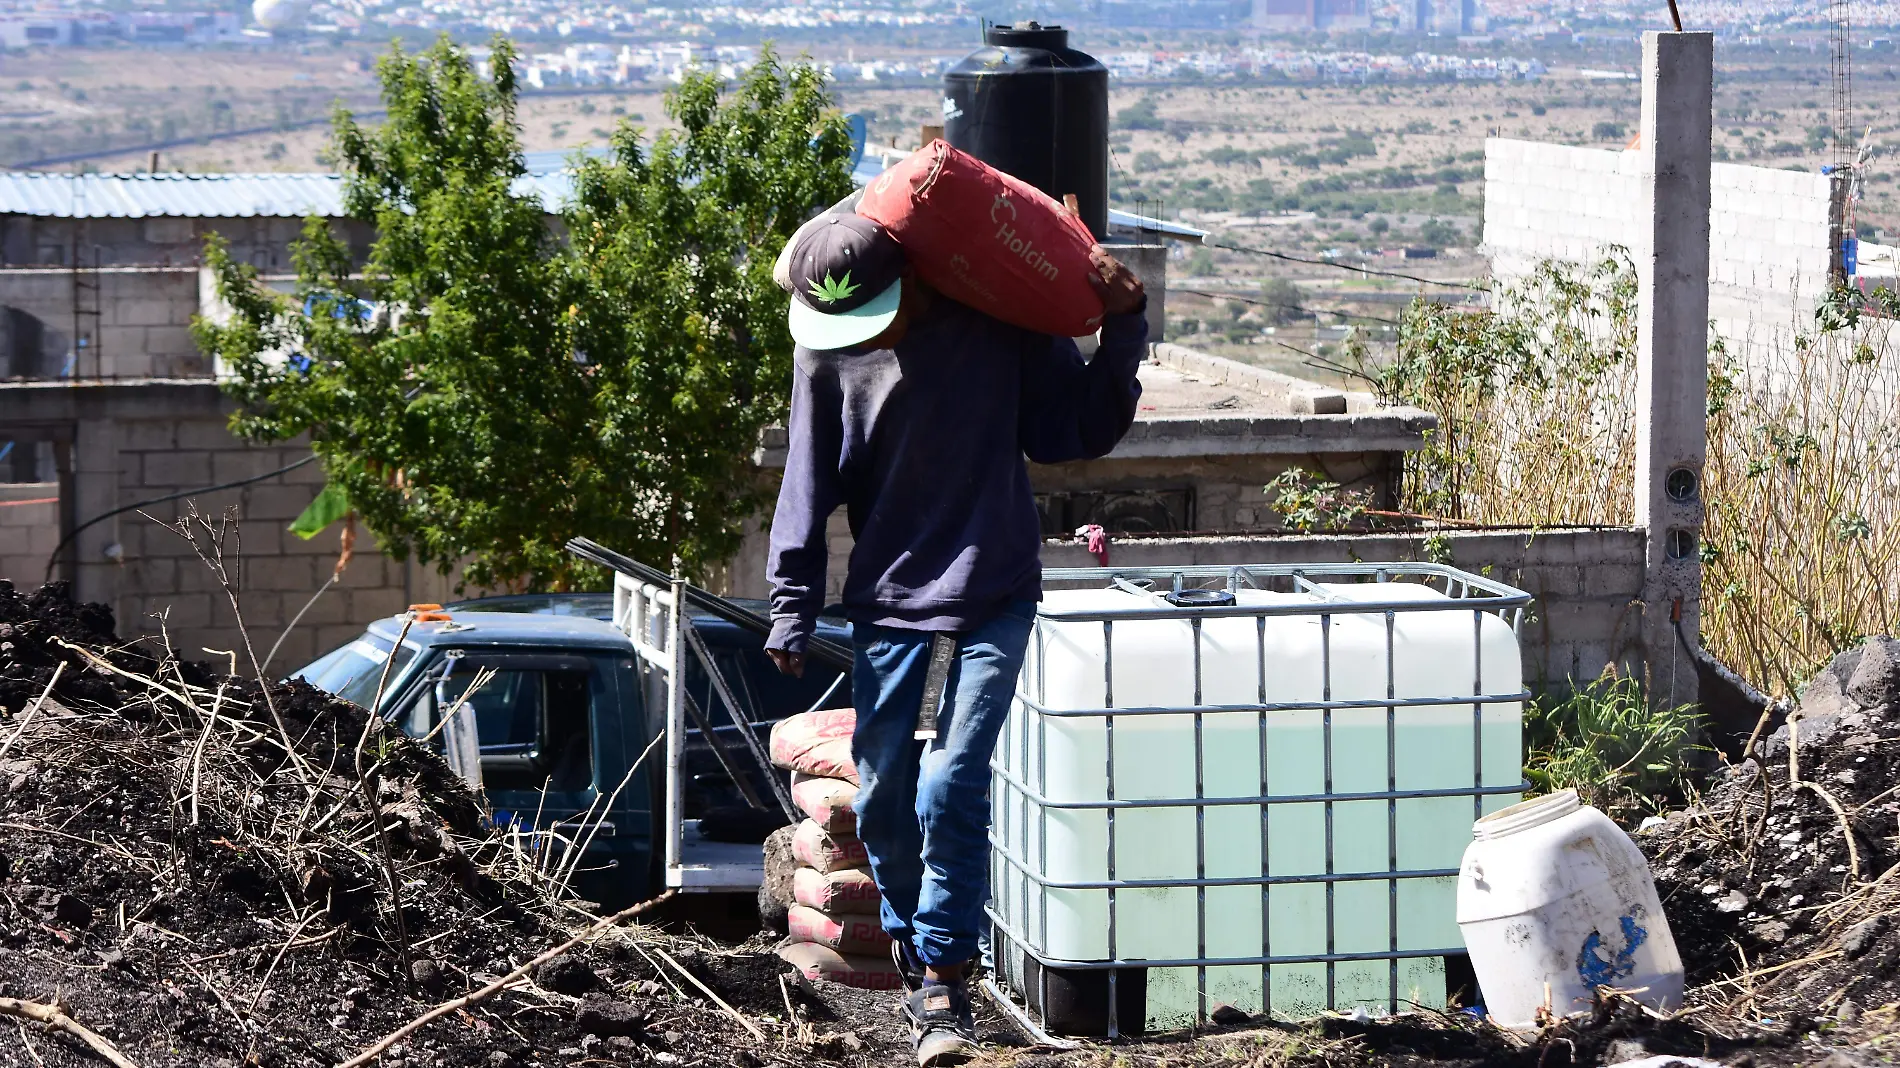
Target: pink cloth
{"points": [[1097, 541]]}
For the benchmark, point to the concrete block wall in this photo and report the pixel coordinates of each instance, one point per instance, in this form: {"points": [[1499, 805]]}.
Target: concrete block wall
{"points": [[1768, 248], [263, 242], [29, 530], [142, 329], [276, 571], [1229, 495], [1586, 615]]}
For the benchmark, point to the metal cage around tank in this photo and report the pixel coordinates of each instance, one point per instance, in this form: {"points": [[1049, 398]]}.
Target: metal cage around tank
{"points": [[1014, 950]]}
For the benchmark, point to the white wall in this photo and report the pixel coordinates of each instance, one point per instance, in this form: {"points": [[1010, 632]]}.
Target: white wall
{"points": [[1768, 254]]}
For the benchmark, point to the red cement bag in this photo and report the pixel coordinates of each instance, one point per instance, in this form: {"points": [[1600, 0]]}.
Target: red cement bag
{"points": [[845, 890], [821, 962], [818, 848], [817, 743], [989, 240], [827, 801], [860, 935]]}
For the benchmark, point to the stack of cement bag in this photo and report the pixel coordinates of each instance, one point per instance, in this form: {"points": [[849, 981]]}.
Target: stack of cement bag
{"points": [[818, 887]]}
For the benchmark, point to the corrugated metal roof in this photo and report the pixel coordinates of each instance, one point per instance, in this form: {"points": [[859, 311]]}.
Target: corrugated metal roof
{"points": [[294, 196], [139, 196], [202, 196]]}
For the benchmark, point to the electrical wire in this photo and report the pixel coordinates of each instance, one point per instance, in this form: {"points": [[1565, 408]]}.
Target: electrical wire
{"points": [[53, 558], [1290, 258], [1289, 307]]}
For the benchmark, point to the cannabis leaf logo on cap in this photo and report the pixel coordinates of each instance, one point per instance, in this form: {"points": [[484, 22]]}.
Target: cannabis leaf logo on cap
{"points": [[834, 289]]}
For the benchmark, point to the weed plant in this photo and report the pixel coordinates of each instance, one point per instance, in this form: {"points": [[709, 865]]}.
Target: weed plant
{"points": [[1801, 546], [1536, 402], [1536, 421], [1607, 742]]}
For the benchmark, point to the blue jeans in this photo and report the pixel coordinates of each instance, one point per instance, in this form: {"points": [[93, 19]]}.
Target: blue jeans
{"points": [[923, 807]]}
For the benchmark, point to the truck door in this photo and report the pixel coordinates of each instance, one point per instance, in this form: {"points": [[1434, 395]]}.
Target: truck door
{"points": [[553, 752]]}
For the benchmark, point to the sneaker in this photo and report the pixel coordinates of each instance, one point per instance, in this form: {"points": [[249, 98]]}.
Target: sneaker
{"points": [[904, 959], [942, 1028]]}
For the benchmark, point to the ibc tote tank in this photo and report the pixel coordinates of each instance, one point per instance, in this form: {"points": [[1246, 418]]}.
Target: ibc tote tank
{"points": [[1290, 777], [1031, 106]]}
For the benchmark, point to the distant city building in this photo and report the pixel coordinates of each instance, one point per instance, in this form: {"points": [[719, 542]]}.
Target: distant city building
{"points": [[1311, 14], [1453, 17], [33, 30], [64, 29]]}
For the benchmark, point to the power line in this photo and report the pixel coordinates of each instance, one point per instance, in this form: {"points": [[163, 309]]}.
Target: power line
{"points": [[53, 557], [1291, 307], [1290, 258]]}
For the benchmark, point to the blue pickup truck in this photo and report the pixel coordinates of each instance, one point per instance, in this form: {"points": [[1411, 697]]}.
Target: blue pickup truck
{"points": [[570, 709]]}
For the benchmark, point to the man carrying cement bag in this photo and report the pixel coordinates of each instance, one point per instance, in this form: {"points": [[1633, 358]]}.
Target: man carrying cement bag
{"points": [[916, 412]]}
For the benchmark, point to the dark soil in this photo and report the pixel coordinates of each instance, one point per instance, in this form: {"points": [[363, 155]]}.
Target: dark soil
{"points": [[263, 933], [1776, 914]]}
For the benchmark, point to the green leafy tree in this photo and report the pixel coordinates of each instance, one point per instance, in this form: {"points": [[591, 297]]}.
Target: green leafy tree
{"points": [[1282, 301], [492, 381]]}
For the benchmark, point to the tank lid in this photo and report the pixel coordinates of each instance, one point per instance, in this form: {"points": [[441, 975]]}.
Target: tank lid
{"points": [[1526, 814], [1027, 35]]}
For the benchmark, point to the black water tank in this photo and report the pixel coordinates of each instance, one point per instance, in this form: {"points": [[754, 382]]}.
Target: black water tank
{"points": [[1031, 106]]}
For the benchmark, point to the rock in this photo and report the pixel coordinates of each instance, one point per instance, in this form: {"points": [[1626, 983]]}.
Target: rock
{"points": [[672, 1038], [1769, 931], [608, 1018], [1875, 681], [1624, 1050], [1733, 901], [565, 975], [1841, 1058], [1848, 1012], [501, 1058], [1229, 1016], [621, 1044], [429, 975], [650, 988], [1831, 681], [72, 910], [775, 893], [1861, 937]]}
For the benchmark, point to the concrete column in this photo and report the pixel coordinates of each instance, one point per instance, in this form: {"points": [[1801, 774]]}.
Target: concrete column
{"points": [[1672, 265], [95, 491]]}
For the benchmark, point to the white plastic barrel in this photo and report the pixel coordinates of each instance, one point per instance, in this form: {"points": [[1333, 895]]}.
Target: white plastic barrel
{"points": [[1274, 659], [1553, 896]]}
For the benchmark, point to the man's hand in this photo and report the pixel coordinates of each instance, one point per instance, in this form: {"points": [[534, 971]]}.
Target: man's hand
{"points": [[1118, 287], [792, 664], [1112, 281]]}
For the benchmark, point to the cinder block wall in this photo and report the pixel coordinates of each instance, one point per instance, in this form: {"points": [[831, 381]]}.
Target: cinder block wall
{"points": [[261, 241], [1586, 615], [276, 571], [1768, 245], [29, 530], [142, 328], [1229, 494]]}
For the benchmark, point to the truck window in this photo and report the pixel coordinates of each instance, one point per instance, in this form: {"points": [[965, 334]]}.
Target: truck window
{"points": [[353, 670], [534, 730]]}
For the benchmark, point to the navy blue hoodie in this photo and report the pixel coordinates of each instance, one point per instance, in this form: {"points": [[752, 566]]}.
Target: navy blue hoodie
{"points": [[924, 445]]}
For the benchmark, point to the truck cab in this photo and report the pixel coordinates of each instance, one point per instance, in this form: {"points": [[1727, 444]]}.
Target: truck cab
{"points": [[569, 731]]}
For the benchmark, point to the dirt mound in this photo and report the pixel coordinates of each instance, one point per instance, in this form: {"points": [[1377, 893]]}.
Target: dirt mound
{"points": [[1780, 881], [190, 861]]}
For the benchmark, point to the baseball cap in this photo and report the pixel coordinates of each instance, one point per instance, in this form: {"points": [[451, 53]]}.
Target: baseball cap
{"points": [[846, 274]]}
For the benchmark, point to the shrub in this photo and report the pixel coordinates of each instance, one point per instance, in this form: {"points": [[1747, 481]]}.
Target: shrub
{"points": [[1801, 542], [1608, 743]]}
